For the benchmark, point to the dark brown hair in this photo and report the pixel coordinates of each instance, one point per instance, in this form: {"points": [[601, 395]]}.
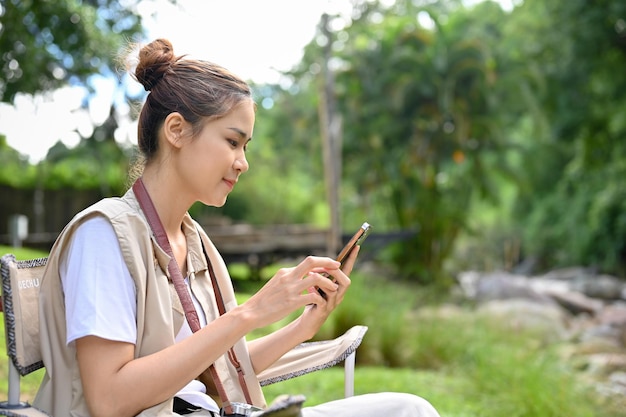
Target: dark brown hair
{"points": [[198, 90]]}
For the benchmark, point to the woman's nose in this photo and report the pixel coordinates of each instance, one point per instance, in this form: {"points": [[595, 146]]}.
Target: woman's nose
{"points": [[241, 164]]}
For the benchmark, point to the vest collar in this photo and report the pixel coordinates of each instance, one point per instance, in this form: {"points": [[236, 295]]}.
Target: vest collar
{"points": [[196, 261]]}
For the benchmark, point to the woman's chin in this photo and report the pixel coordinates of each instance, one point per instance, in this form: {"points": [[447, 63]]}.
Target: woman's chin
{"points": [[215, 203]]}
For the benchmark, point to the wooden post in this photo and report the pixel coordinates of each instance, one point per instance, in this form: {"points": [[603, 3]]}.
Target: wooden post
{"points": [[330, 128]]}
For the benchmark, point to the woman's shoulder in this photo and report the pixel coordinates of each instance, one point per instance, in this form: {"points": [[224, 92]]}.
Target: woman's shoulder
{"points": [[119, 212], [112, 208]]}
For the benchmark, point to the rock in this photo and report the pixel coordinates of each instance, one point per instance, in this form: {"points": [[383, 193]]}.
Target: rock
{"points": [[548, 321], [604, 287], [594, 345], [574, 305], [468, 281], [575, 302], [615, 385], [618, 378], [575, 273], [614, 314], [502, 285], [605, 364]]}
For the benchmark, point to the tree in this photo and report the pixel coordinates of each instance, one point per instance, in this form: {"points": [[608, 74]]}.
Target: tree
{"points": [[419, 107], [46, 44], [571, 130], [49, 44], [419, 128], [10, 163], [97, 162]]}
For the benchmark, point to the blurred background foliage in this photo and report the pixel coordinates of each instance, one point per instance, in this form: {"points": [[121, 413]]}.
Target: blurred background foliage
{"points": [[499, 136]]}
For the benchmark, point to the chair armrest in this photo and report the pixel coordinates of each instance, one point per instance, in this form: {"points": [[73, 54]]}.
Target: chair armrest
{"points": [[313, 356]]}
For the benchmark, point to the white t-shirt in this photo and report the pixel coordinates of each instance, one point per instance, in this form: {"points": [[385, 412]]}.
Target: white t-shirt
{"points": [[100, 294], [101, 298]]}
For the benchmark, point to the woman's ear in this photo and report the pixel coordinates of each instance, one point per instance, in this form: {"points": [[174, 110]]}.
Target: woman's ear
{"points": [[174, 128]]}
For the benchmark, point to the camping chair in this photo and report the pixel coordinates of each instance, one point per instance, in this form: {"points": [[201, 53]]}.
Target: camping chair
{"points": [[20, 303]]}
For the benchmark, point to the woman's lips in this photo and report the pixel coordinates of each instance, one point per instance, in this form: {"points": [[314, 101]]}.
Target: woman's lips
{"points": [[230, 183]]}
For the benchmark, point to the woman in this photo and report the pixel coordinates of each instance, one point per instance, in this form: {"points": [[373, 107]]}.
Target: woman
{"points": [[116, 341]]}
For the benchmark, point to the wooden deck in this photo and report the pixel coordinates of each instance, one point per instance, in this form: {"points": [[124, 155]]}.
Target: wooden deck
{"points": [[259, 246]]}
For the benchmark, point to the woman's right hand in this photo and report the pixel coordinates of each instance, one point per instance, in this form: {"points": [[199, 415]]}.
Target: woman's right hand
{"points": [[286, 291]]}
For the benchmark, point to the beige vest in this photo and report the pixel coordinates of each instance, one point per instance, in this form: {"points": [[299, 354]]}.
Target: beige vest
{"points": [[159, 311]]}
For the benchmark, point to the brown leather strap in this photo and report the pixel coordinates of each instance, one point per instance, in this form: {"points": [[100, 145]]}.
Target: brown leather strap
{"points": [[145, 202], [159, 233], [222, 309]]}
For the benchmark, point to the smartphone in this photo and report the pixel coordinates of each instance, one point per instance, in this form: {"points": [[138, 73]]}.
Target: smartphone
{"points": [[354, 241]]}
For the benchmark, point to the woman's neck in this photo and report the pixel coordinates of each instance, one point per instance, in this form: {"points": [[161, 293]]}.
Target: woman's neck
{"points": [[169, 207]]}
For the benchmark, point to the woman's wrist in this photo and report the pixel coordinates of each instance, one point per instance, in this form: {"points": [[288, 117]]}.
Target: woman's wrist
{"points": [[303, 331], [244, 319]]}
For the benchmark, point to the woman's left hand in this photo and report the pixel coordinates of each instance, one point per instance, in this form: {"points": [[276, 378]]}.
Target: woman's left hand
{"points": [[266, 350], [315, 315]]}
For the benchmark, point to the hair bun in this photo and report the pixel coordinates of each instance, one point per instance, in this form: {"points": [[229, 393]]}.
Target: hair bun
{"points": [[154, 61]]}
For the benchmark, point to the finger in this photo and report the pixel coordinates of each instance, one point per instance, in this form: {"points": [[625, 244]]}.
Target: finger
{"points": [[341, 280], [351, 260], [334, 298], [323, 287], [313, 298], [320, 281], [311, 263]]}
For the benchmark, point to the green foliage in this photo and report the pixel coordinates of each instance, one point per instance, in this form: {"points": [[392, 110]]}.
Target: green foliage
{"points": [[50, 44], [592, 232], [572, 153], [15, 170], [92, 164], [46, 44], [368, 302], [416, 103]]}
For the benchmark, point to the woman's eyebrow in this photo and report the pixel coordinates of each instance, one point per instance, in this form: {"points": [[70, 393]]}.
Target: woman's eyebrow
{"points": [[239, 132]]}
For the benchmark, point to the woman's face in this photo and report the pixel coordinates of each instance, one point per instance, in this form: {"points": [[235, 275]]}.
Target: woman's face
{"points": [[211, 162]]}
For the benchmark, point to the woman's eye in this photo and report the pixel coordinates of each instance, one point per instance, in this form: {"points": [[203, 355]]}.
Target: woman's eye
{"points": [[233, 143]]}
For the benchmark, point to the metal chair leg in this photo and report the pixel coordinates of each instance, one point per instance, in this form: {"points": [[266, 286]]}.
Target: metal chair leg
{"points": [[349, 374]]}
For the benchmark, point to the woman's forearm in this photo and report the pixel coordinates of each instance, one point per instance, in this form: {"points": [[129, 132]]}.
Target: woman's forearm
{"points": [[266, 350], [110, 383]]}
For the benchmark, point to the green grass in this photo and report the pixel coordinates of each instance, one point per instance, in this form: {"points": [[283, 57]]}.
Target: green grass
{"points": [[22, 253], [465, 365]]}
